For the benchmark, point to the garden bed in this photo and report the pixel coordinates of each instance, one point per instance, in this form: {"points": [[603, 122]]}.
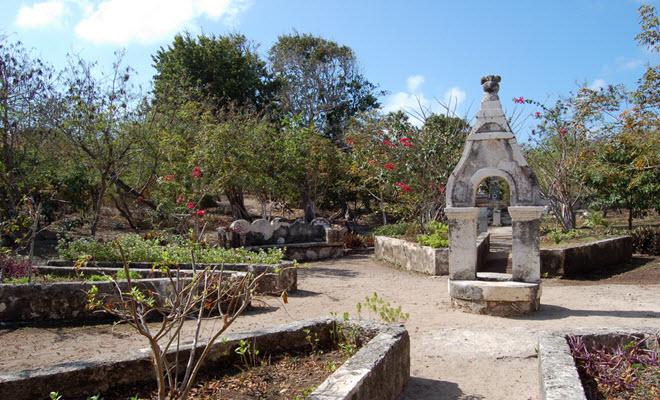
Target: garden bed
{"points": [[378, 370], [311, 251], [65, 301], [575, 259], [412, 256], [599, 364]]}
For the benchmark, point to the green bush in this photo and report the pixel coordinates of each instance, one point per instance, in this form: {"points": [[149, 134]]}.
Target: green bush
{"points": [[558, 236], [646, 240], [121, 275], [137, 249], [392, 230], [437, 237]]}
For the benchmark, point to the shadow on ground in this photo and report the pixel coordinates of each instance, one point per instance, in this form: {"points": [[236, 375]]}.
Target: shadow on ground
{"points": [[549, 311], [430, 389]]}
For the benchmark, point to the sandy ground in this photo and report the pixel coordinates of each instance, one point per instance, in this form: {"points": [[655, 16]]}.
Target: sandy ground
{"points": [[453, 355]]}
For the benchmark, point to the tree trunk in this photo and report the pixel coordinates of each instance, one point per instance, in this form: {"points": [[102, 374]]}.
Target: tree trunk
{"points": [[235, 196], [310, 212], [630, 218], [97, 208]]}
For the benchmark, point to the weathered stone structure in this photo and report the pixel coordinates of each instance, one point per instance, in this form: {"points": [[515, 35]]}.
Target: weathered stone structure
{"points": [[491, 150], [302, 241]]}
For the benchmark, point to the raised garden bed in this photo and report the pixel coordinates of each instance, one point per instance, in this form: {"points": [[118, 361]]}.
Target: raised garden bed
{"points": [[378, 370], [574, 259], [65, 301], [311, 251], [623, 358], [412, 256]]}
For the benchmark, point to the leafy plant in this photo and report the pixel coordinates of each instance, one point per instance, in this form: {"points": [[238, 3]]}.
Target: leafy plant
{"points": [[12, 267], [646, 240], [249, 354], [438, 236], [138, 249], [383, 309], [630, 371], [121, 275], [392, 230]]}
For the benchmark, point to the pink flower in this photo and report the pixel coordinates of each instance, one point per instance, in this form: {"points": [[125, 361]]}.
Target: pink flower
{"points": [[169, 178], [190, 205], [519, 100], [200, 213], [180, 199], [403, 186], [537, 114], [406, 142], [563, 132], [350, 142], [389, 166], [197, 172], [372, 162], [388, 143]]}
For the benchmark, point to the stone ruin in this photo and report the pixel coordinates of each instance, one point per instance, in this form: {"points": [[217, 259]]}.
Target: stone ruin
{"points": [[262, 232], [491, 150]]}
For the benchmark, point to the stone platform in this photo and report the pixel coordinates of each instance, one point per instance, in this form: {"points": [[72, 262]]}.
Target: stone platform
{"points": [[495, 294]]}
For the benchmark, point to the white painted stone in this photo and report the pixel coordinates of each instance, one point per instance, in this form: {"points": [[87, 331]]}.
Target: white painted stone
{"points": [[462, 239], [526, 213]]}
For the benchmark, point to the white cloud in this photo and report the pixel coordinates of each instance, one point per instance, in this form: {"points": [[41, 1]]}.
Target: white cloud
{"points": [[598, 84], [414, 82], [40, 15], [121, 22], [454, 97], [415, 103]]}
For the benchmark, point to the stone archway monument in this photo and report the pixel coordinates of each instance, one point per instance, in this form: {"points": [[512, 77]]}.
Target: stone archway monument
{"points": [[491, 150]]}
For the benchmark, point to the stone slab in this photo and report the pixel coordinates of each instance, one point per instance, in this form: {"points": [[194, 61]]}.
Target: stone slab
{"points": [[583, 258]]}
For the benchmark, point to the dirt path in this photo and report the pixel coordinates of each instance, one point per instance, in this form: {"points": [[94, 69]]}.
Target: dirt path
{"points": [[454, 355]]}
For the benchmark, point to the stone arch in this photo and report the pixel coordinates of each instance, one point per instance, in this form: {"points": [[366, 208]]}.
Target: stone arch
{"points": [[491, 150], [484, 173]]}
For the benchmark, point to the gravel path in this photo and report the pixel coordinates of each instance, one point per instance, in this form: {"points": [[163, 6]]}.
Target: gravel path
{"points": [[454, 355]]}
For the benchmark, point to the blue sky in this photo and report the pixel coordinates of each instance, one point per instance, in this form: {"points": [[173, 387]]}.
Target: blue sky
{"points": [[423, 50]]}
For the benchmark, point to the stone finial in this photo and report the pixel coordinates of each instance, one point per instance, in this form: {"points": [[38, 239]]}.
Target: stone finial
{"points": [[491, 83]]}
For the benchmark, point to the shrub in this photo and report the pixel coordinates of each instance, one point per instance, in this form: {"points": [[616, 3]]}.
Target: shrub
{"points": [[137, 249], [437, 237], [11, 267], [593, 219], [121, 275], [646, 240], [392, 230]]}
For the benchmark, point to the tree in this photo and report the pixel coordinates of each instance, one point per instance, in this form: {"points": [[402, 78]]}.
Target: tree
{"points": [[27, 100], [220, 72], [100, 113], [321, 83], [310, 164], [409, 164]]}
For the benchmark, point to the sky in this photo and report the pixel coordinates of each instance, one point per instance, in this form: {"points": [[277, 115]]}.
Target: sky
{"points": [[433, 52]]}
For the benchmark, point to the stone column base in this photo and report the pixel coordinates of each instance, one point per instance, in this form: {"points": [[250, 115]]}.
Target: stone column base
{"points": [[498, 297]]}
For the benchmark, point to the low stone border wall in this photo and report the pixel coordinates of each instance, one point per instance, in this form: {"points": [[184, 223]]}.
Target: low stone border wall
{"points": [[558, 375], [425, 259], [379, 370], [582, 258], [274, 282], [65, 302], [311, 251]]}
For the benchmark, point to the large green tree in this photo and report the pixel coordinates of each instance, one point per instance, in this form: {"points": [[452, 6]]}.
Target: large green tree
{"points": [[223, 72], [321, 83]]}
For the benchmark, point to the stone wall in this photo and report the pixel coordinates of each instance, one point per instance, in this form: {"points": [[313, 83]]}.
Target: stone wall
{"points": [[274, 232], [379, 370], [24, 304], [583, 258], [425, 259]]}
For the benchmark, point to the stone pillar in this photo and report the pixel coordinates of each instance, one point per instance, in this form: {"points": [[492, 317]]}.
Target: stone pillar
{"points": [[462, 242], [482, 222], [497, 217], [526, 261]]}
